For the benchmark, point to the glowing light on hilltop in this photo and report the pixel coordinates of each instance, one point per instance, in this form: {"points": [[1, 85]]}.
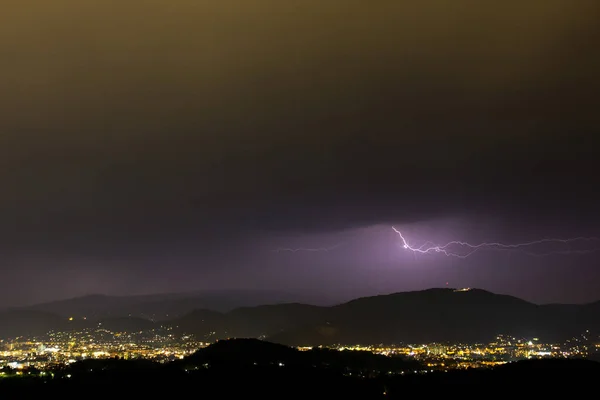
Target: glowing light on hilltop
{"points": [[462, 249]]}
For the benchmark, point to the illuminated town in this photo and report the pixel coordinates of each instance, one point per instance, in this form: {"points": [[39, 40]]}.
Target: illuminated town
{"points": [[60, 348], [162, 345]]}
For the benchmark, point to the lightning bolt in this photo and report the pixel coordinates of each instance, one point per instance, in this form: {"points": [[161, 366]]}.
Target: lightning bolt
{"points": [[447, 249]]}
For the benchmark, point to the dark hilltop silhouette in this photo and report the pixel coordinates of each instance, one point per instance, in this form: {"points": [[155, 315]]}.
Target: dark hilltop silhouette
{"points": [[164, 306], [434, 315], [239, 368]]}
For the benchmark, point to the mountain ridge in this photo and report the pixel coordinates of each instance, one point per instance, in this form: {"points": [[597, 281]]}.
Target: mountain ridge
{"points": [[431, 315], [162, 305], [439, 314]]}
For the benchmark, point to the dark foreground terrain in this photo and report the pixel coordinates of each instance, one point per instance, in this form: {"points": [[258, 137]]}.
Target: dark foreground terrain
{"points": [[247, 367]]}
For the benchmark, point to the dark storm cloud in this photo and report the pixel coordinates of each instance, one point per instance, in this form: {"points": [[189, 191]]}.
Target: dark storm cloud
{"points": [[147, 122]]}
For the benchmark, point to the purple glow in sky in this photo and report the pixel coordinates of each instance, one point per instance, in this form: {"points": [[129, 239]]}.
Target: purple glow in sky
{"points": [[384, 259], [460, 249], [184, 145]]}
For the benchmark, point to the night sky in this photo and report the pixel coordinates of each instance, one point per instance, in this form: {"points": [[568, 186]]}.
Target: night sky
{"points": [[159, 146]]}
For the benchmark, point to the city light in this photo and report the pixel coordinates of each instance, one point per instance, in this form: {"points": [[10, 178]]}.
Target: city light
{"points": [[162, 345]]}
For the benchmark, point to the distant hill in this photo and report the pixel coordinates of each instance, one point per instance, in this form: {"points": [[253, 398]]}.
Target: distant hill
{"points": [[434, 315], [444, 315], [14, 323], [127, 324], [248, 353], [162, 306], [28, 322]]}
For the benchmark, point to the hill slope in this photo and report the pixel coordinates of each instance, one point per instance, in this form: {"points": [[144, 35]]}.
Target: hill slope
{"points": [[161, 306], [414, 317], [434, 315]]}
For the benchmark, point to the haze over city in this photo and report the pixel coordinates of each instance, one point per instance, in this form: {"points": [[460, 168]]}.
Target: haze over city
{"points": [[154, 147]]}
